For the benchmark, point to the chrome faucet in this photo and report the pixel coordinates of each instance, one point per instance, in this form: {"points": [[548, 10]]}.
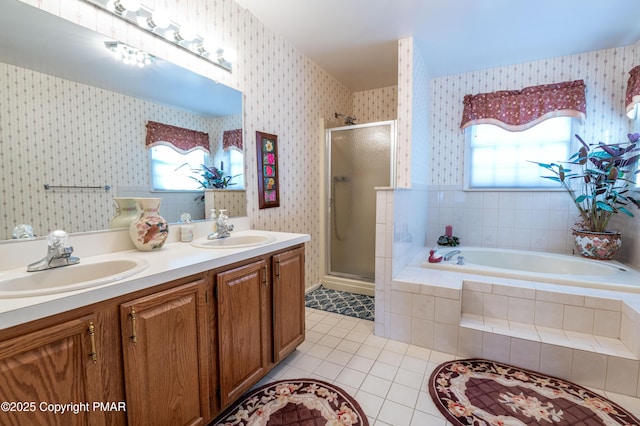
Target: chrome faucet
{"points": [[58, 253], [223, 227], [447, 256]]}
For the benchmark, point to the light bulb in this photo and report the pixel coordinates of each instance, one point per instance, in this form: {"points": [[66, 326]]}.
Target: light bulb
{"points": [[111, 5], [130, 5], [207, 48], [159, 19], [187, 33], [229, 55]]}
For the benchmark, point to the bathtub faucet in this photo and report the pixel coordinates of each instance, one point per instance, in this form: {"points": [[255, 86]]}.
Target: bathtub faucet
{"points": [[449, 255]]}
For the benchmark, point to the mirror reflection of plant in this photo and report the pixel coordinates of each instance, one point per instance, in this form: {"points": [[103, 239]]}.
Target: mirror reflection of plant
{"points": [[212, 178], [603, 180]]}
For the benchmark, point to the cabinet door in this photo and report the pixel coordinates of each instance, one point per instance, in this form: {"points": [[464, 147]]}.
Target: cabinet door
{"points": [[56, 365], [288, 302], [164, 339], [243, 328]]}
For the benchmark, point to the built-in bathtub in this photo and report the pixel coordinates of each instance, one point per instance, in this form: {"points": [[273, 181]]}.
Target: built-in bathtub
{"points": [[531, 309], [541, 266]]}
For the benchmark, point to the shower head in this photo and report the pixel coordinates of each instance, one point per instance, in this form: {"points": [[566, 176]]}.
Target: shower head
{"points": [[348, 121]]}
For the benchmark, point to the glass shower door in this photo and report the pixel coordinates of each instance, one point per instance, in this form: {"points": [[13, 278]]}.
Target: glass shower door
{"points": [[360, 159]]}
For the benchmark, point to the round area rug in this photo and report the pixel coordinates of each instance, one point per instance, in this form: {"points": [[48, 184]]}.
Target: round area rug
{"points": [[307, 402], [483, 392]]}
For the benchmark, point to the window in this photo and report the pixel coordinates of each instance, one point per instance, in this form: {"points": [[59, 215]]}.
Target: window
{"points": [[500, 159], [174, 171], [234, 166]]}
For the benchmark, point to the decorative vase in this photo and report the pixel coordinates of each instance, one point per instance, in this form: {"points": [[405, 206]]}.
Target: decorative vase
{"points": [[597, 245], [126, 212], [150, 230]]}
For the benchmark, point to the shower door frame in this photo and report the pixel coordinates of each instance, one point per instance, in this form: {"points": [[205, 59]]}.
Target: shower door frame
{"points": [[329, 194]]}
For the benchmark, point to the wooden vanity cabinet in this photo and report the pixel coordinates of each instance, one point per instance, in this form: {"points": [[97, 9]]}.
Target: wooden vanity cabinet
{"points": [[176, 353], [288, 302], [58, 364], [244, 328], [165, 347], [260, 317]]}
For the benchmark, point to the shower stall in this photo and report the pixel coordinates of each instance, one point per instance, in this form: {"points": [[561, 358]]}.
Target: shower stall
{"points": [[359, 158]]}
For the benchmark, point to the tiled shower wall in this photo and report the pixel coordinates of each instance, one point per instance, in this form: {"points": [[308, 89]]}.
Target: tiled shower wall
{"points": [[526, 220]]}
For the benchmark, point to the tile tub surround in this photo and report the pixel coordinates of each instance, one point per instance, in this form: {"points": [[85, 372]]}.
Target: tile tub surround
{"points": [[588, 336]]}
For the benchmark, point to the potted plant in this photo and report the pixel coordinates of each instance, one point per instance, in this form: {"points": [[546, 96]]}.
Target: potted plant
{"points": [[212, 178], [599, 178]]}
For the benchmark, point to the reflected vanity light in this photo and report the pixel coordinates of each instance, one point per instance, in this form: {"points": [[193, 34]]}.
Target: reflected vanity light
{"points": [[129, 54], [158, 23]]}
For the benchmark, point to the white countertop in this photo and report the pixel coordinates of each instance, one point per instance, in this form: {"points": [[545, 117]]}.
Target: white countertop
{"points": [[173, 261]]}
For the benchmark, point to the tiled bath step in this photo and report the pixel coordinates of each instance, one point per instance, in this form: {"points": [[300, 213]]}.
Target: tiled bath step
{"points": [[553, 336]]}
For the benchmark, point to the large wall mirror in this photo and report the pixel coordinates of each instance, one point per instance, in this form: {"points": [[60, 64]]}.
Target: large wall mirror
{"points": [[71, 115]]}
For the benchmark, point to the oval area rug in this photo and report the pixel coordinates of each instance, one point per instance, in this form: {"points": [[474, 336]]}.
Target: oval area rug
{"points": [[306, 402], [483, 392]]}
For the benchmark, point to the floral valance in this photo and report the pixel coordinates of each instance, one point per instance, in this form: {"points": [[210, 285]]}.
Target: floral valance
{"points": [[632, 99], [232, 139], [181, 139], [518, 110]]}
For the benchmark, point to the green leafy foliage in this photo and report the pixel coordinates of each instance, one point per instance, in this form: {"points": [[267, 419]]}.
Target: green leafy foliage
{"points": [[212, 178], [599, 178]]}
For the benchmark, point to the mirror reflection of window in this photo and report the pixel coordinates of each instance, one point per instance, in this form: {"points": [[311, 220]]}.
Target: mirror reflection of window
{"points": [[234, 166], [175, 171]]}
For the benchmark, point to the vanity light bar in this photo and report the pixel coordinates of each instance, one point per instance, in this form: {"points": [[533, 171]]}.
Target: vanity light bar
{"points": [[159, 24], [129, 54]]}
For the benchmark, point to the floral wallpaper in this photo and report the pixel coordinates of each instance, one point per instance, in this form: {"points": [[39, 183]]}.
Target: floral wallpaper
{"points": [[527, 220], [370, 106], [59, 132], [286, 94]]}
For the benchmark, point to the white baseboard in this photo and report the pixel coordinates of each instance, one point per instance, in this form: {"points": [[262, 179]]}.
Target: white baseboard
{"points": [[346, 284], [312, 288]]}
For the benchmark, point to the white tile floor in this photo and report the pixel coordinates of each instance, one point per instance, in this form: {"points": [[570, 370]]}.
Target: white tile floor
{"points": [[387, 377]]}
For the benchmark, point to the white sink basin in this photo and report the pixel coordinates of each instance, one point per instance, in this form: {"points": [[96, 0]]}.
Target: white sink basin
{"points": [[239, 240], [69, 278]]}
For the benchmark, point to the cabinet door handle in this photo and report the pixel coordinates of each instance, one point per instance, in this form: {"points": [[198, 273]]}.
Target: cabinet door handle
{"points": [[278, 269], [92, 338], [264, 275], [134, 336]]}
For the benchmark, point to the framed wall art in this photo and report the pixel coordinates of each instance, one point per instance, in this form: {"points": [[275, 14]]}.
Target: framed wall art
{"points": [[268, 172]]}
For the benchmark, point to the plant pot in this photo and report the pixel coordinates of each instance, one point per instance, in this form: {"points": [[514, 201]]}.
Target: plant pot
{"points": [[597, 245]]}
